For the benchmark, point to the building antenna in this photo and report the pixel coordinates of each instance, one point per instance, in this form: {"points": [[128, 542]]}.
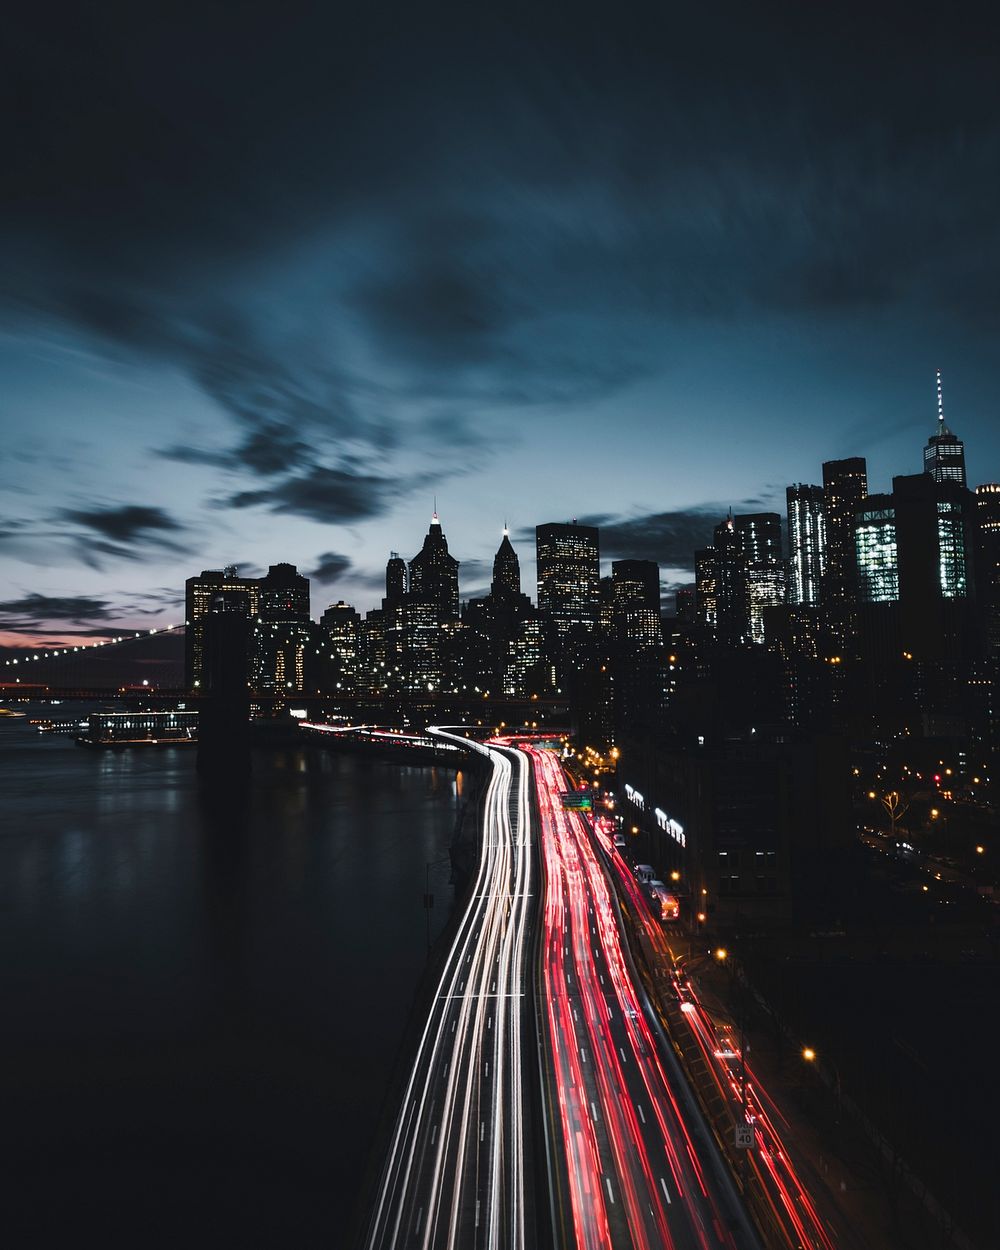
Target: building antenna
{"points": [[940, 403]]}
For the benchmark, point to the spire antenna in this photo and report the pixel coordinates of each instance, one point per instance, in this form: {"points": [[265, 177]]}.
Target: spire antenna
{"points": [[940, 403]]}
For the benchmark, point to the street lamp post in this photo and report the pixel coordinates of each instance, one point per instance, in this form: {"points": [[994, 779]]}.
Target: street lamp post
{"points": [[723, 956], [809, 1055]]}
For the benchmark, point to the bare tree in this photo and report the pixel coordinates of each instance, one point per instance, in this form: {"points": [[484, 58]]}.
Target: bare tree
{"points": [[897, 806]]}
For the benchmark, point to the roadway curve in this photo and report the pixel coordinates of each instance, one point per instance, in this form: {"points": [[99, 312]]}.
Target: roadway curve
{"points": [[455, 1174], [635, 1167], [781, 1193]]}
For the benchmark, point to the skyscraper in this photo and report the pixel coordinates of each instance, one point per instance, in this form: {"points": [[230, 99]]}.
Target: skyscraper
{"points": [[635, 602], [944, 455], [732, 623], [759, 538], [395, 578], [988, 563], [506, 568], [200, 593], [434, 573], [914, 551], [283, 631], [568, 576], [759, 535], [845, 485], [807, 543]]}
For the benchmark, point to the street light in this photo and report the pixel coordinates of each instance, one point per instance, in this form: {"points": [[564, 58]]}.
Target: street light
{"points": [[809, 1055]]}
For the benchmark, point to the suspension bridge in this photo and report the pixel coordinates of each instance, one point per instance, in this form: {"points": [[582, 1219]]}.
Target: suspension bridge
{"points": [[135, 661]]}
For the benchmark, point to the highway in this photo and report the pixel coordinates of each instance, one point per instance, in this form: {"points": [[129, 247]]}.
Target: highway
{"points": [[455, 1174], [636, 1166], [773, 1174]]}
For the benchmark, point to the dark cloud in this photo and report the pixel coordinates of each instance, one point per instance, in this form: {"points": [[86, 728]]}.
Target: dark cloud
{"points": [[330, 566], [33, 611], [125, 523], [117, 532], [669, 538], [503, 179], [326, 495], [267, 450]]}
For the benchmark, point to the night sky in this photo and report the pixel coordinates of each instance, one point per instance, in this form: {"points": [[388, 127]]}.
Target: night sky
{"points": [[274, 277]]}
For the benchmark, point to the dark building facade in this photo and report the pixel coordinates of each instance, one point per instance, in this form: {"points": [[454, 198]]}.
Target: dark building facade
{"points": [[282, 643], [944, 454], [987, 513], [806, 543], [845, 485], [434, 573], [915, 560], [568, 559], [759, 538], [635, 603], [200, 593]]}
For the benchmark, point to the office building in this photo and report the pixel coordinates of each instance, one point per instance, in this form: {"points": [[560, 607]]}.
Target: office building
{"points": [[944, 454], [759, 537], [506, 568], [806, 543], [732, 617], [200, 593], [914, 557], [845, 485], [340, 637], [395, 579], [568, 558], [434, 573], [283, 633], [987, 529], [635, 603]]}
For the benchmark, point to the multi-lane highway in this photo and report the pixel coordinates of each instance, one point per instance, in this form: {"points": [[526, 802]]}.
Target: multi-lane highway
{"points": [[635, 1166], [779, 1189], [456, 1172]]}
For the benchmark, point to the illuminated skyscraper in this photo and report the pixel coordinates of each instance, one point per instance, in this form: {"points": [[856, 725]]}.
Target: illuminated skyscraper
{"points": [[506, 568], [200, 593], [877, 550], [568, 576], [944, 455], [987, 527], [759, 538], [635, 602], [732, 623], [807, 543], [395, 578], [283, 633], [845, 485], [434, 573], [915, 551]]}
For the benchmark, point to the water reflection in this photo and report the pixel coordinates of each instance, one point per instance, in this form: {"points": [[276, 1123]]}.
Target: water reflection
{"points": [[218, 971]]}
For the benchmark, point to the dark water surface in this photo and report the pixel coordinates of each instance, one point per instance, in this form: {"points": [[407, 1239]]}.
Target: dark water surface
{"points": [[203, 999]]}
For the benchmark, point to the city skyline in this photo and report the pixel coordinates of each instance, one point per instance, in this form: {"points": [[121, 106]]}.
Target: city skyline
{"points": [[335, 575], [261, 306]]}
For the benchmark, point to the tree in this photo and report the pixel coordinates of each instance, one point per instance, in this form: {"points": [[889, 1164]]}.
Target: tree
{"points": [[897, 806]]}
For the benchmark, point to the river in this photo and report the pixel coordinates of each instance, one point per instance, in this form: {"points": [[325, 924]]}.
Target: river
{"points": [[204, 997]]}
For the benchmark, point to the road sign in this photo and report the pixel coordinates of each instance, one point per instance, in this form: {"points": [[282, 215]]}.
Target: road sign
{"points": [[578, 800], [743, 1136]]}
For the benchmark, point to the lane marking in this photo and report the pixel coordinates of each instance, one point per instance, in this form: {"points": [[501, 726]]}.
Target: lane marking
{"points": [[607, 1182], [663, 1186], [641, 1116]]}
